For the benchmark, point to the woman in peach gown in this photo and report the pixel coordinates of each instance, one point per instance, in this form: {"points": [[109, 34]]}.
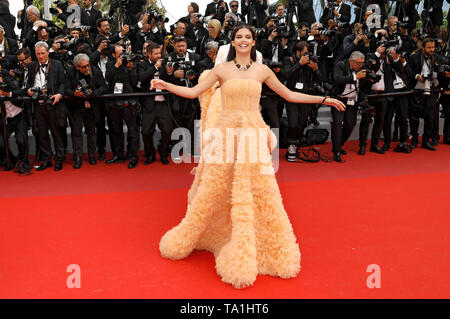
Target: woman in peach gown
{"points": [[235, 208]]}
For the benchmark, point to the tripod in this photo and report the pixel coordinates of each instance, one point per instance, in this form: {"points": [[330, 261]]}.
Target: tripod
{"points": [[292, 10]]}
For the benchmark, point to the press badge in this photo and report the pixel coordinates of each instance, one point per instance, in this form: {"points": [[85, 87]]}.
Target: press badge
{"points": [[299, 86], [351, 101], [118, 88]]}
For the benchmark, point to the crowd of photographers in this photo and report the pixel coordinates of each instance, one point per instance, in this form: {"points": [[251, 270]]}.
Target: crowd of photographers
{"points": [[52, 77]]}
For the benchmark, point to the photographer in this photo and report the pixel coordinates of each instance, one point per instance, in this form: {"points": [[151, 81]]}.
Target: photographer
{"points": [[8, 48], [234, 6], [444, 82], [358, 41], [349, 79], [339, 12], [83, 81], [196, 32], [148, 31], [362, 14], [16, 123], [216, 10], [422, 69], [103, 29], [302, 74], [90, 15], [182, 69], [155, 108], [39, 32], [381, 75], [211, 53], [254, 11], [432, 16], [46, 79], [121, 78]]}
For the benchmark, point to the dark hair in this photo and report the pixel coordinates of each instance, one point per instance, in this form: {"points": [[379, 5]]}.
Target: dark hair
{"points": [[98, 23], [179, 39], [232, 51], [152, 46], [301, 45], [25, 51], [425, 41], [195, 6]]}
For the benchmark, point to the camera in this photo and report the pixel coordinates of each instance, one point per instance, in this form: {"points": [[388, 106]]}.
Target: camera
{"points": [[83, 86], [88, 28], [366, 108], [40, 96], [186, 66], [130, 58], [326, 33], [5, 87], [260, 32], [271, 64], [155, 15]]}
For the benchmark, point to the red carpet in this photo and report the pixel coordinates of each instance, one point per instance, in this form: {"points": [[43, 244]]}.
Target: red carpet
{"points": [[392, 210]]}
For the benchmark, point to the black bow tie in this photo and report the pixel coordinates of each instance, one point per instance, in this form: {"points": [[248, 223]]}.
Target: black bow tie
{"points": [[44, 65], [181, 59]]}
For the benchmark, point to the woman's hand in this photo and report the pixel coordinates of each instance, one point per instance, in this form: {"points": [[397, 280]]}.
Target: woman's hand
{"points": [[158, 84], [338, 105]]}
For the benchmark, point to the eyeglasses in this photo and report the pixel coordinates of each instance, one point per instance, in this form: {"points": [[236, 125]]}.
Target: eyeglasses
{"points": [[84, 66], [234, 6], [359, 63]]}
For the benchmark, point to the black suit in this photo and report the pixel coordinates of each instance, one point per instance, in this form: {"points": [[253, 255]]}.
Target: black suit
{"points": [[300, 78], [154, 112], [133, 8], [80, 113], [407, 12], [345, 13], [123, 110], [49, 116], [257, 16], [218, 11], [344, 122], [10, 50], [8, 21], [196, 35], [436, 16], [90, 18], [413, 68]]}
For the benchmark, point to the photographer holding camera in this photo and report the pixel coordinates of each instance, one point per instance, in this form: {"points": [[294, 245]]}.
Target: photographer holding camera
{"points": [[16, 123], [406, 12], [255, 12], [122, 78], [216, 10], [84, 81], [8, 48], [46, 79], [196, 32], [148, 31], [182, 69], [350, 84], [155, 108], [133, 7], [339, 12], [422, 70], [302, 74], [358, 41]]}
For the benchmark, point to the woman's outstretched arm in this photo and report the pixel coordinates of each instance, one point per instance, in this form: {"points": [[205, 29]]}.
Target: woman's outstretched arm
{"points": [[295, 97], [189, 93]]}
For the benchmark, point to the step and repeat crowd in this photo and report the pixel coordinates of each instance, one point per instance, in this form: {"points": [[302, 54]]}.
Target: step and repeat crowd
{"points": [[385, 60]]}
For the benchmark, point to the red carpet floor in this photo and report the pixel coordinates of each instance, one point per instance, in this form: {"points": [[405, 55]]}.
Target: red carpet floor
{"points": [[392, 210]]}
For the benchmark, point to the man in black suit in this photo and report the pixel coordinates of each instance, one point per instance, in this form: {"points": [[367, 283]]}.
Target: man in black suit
{"points": [[300, 76], [184, 111], [422, 72], [8, 47], [382, 64], [89, 15], [340, 13], [48, 75], [103, 29], [84, 80], [122, 78], [155, 108], [133, 8], [349, 80], [196, 33], [216, 10], [7, 20], [255, 12], [16, 123], [234, 6], [148, 31]]}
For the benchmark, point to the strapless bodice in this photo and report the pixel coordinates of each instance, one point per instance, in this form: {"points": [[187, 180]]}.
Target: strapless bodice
{"points": [[241, 95]]}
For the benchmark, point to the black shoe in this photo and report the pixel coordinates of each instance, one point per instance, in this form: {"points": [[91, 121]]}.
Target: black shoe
{"points": [[428, 146], [386, 147], [362, 149], [149, 160], [395, 138], [403, 148], [58, 166], [164, 160], [77, 163], [434, 142], [376, 149], [2, 162], [133, 163], [414, 142], [115, 159], [101, 156], [43, 166], [92, 159], [343, 152], [337, 157]]}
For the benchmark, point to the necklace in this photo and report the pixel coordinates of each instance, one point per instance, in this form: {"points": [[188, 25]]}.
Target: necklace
{"points": [[243, 68]]}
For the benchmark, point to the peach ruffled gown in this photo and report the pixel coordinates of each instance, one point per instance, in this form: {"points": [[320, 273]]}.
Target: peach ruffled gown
{"points": [[235, 208]]}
